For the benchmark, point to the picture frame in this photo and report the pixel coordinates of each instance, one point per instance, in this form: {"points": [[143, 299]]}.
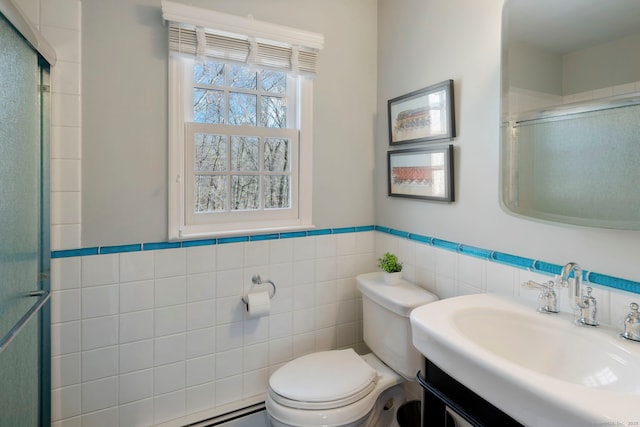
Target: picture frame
{"points": [[423, 115], [421, 173]]}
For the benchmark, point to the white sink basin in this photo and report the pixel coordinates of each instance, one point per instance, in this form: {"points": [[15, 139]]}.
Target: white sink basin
{"points": [[541, 369]]}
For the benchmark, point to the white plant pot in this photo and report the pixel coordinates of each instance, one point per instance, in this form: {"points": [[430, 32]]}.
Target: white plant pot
{"points": [[393, 278]]}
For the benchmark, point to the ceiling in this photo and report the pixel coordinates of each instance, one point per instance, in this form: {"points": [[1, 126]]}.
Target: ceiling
{"points": [[563, 26]]}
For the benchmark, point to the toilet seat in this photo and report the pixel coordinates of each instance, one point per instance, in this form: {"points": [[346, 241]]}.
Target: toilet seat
{"points": [[323, 380]]}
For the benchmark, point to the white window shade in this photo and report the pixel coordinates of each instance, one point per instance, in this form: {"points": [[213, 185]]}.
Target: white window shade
{"points": [[207, 33]]}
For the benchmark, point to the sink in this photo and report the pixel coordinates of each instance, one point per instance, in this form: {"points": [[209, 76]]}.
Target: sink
{"points": [[541, 369]]}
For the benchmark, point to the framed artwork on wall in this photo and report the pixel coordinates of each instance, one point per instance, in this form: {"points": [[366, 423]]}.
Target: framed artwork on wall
{"points": [[421, 173], [424, 115]]}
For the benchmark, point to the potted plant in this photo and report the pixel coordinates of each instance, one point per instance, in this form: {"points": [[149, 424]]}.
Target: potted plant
{"points": [[392, 268]]}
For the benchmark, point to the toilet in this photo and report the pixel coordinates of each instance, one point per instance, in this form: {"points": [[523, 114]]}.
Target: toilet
{"points": [[342, 388]]}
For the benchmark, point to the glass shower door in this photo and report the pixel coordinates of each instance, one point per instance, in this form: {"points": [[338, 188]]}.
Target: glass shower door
{"points": [[24, 233]]}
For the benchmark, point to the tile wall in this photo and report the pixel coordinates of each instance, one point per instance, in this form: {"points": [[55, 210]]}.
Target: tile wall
{"points": [[141, 338]]}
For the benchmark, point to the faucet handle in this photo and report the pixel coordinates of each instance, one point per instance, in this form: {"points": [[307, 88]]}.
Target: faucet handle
{"points": [[548, 299], [632, 324]]}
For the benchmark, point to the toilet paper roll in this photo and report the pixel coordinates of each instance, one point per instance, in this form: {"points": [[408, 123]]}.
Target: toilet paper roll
{"points": [[258, 304]]}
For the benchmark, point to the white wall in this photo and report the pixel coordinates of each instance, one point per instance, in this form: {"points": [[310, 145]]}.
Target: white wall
{"points": [[124, 180], [421, 43]]}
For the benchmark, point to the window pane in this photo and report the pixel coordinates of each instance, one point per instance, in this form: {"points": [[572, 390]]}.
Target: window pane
{"points": [[273, 81], [274, 112], [245, 153], [208, 106], [245, 192], [242, 109], [208, 73], [242, 77], [276, 155], [210, 193], [210, 152], [276, 192]]}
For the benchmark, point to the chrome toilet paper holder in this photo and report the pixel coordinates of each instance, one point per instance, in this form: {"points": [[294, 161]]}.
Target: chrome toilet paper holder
{"points": [[256, 280]]}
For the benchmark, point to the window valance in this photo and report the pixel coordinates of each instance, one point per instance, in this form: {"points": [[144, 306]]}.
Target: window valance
{"points": [[207, 33]]}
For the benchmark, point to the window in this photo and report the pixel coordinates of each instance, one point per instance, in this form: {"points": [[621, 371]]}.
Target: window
{"points": [[239, 125]]}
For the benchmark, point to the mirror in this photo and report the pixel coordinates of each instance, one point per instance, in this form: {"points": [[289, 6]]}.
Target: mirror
{"points": [[570, 111]]}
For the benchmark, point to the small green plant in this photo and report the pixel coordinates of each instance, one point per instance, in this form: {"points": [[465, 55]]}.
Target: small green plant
{"points": [[389, 263]]}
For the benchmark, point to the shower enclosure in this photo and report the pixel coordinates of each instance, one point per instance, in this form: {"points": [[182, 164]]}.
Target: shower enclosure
{"points": [[25, 358]]}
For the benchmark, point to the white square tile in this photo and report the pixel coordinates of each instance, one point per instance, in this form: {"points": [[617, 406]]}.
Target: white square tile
{"points": [[65, 237], [65, 305], [304, 344], [65, 110], [99, 332], [136, 266], [65, 338], [446, 287], [446, 263], [201, 397], [65, 370], [348, 266], [347, 335], [229, 336], [230, 256], [169, 406], [280, 325], [347, 289], [139, 414], [325, 339], [280, 251], [325, 269], [229, 283], [65, 175], [304, 248], [65, 142], [471, 271], [326, 316], [256, 253], [100, 363], [365, 242], [170, 262], [201, 286], [346, 244], [170, 291], [100, 301], [201, 342], [168, 378], [100, 394], [256, 356], [501, 279], [325, 292], [170, 349], [65, 273], [347, 311], [281, 275], [66, 402], [61, 13], [326, 246], [201, 259], [201, 314], [65, 207], [304, 296], [170, 320], [136, 296], [136, 386], [256, 330], [280, 350], [255, 383], [65, 78], [136, 356], [283, 301], [135, 326], [105, 418], [228, 390], [100, 270], [201, 370], [304, 320], [303, 272]]}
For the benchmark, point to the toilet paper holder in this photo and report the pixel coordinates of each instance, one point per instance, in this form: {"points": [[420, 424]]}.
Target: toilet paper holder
{"points": [[256, 280]]}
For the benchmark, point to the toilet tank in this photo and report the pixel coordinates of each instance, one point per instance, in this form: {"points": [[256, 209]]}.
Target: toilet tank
{"points": [[385, 318]]}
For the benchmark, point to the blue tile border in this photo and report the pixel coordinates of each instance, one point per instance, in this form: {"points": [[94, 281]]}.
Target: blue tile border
{"points": [[511, 260]]}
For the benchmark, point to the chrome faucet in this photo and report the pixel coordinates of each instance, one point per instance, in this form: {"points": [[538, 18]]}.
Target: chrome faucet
{"points": [[585, 303], [548, 299], [632, 324]]}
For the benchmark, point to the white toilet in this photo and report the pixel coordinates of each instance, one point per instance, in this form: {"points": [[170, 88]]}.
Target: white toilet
{"points": [[342, 388]]}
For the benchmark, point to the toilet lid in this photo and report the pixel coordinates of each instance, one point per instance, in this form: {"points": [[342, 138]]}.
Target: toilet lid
{"points": [[338, 376]]}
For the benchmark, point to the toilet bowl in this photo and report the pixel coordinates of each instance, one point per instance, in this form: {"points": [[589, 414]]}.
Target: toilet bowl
{"points": [[341, 388]]}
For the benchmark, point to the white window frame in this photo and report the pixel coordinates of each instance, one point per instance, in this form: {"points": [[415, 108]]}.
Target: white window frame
{"points": [[180, 226]]}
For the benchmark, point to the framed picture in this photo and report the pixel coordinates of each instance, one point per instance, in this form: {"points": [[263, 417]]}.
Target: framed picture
{"points": [[421, 173], [423, 115]]}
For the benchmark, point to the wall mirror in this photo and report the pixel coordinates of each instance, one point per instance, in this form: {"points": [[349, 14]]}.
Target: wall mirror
{"points": [[570, 111]]}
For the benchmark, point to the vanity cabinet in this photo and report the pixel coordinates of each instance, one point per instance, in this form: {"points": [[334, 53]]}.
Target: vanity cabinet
{"points": [[448, 403]]}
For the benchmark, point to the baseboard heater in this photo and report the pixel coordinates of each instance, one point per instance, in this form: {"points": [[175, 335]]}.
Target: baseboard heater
{"points": [[229, 416]]}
